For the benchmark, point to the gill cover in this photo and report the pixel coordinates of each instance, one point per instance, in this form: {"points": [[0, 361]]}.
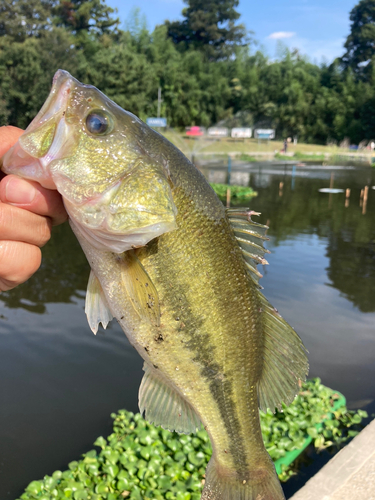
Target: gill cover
{"points": [[90, 150]]}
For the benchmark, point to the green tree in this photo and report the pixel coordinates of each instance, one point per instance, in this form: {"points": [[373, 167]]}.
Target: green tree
{"points": [[27, 69], [360, 44], [22, 18], [209, 25], [85, 15]]}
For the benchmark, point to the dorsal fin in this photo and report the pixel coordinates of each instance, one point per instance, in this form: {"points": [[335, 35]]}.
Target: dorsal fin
{"points": [[250, 236], [285, 363]]}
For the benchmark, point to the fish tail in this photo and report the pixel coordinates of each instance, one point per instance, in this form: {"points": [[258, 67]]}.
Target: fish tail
{"points": [[258, 484]]}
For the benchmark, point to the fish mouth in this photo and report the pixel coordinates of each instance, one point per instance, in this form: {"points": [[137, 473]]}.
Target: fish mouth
{"points": [[57, 100], [46, 137]]}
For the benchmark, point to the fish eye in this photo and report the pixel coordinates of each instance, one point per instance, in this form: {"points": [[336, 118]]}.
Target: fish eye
{"points": [[98, 122]]}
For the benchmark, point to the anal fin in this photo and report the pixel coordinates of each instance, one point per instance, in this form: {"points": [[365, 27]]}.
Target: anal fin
{"points": [[164, 406], [96, 307]]}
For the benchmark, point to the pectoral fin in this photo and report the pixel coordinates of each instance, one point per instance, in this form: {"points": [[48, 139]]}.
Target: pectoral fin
{"points": [[96, 307], [164, 406], [140, 289]]}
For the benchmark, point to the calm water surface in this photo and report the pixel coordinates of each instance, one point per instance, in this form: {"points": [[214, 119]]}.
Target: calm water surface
{"points": [[59, 383]]}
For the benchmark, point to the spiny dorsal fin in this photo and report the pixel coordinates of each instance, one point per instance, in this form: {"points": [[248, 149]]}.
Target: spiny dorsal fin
{"points": [[163, 405], [250, 236], [140, 289], [285, 363], [96, 307]]}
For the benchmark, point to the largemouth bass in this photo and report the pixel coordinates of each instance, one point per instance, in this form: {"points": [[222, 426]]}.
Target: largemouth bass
{"points": [[178, 272]]}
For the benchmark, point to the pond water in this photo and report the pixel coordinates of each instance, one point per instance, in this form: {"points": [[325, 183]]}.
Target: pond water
{"points": [[59, 383]]}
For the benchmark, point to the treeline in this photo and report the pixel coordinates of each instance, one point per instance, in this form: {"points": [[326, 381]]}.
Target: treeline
{"points": [[205, 65]]}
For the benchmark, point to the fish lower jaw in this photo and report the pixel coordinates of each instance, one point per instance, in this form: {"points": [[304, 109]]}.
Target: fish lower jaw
{"points": [[18, 162]]}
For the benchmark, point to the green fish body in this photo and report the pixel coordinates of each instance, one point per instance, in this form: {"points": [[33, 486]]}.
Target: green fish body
{"points": [[177, 271]]}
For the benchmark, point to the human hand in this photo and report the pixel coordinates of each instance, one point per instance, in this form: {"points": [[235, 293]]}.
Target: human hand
{"points": [[27, 213]]}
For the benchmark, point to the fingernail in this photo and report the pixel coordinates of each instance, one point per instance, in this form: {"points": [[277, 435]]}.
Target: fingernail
{"points": [[19, 191]]}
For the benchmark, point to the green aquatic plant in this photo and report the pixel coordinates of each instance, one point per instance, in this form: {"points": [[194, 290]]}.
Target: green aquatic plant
{"points": [[318, 415], [300, 157], [237, 192], [142, 462], [247, 157]]}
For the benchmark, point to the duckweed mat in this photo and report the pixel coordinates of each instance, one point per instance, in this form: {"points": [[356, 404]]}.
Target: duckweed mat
{"points": [[142, 462]]}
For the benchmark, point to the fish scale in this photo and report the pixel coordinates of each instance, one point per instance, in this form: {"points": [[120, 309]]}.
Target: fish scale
{"points": [[218, 335]]}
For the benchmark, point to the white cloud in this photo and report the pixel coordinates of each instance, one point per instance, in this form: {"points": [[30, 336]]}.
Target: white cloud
{"points": [[319, 49], [278, 35]]}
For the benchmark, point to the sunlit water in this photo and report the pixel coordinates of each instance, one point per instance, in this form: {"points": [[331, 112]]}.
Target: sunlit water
{"points": [[59, 383]]}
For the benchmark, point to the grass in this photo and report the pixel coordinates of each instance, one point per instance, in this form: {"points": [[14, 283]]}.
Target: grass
{"points": [[142, 462], [247, 158], [248, 146], [300, 156]]}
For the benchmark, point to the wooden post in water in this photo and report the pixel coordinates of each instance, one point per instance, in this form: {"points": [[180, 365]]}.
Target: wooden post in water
{"points": [[332, 179], [228, 197], [365, 196], [347, 196], [281, 185], [229, 169], [330, 187]]}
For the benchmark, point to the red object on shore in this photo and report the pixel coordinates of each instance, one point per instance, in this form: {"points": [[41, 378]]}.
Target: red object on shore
{"points": [[194, 131]]}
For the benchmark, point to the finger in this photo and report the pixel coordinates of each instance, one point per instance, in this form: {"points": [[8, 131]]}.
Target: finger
{"points": [[18, 224], [33, 197], [9, 135], [18, 261]]}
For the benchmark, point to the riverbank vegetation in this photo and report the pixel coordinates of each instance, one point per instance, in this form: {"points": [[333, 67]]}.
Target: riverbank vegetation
{"points": [[206, 76], [140, 461], [299, 156]]}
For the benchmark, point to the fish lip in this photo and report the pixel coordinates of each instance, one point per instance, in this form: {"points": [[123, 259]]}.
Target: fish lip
{"points": [[57, 100], [18, 159], [59, 75]]}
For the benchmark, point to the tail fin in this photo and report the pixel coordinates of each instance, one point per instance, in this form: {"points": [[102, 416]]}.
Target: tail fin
{"points": [[261, 484]]}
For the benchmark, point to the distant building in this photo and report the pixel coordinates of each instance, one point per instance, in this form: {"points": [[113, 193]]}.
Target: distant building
{"points": [[264, 133], [241, 133], [156, 122], [218, 132]]}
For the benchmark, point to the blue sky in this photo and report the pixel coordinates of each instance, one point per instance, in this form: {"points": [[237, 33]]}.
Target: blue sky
{"points": [[317, 27]]}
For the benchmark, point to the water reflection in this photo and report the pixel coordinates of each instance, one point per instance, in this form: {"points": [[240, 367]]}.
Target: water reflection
{"points": [[350, 233], [62, 276], [352, 268]]}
